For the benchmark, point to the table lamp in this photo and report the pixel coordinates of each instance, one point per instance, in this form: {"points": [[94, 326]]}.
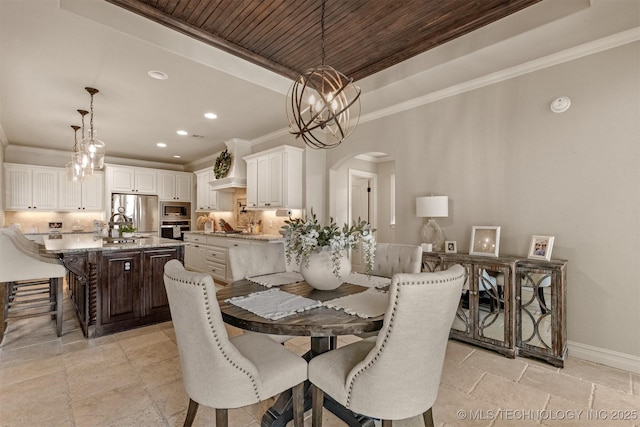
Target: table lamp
{"points": [[432, 207]]}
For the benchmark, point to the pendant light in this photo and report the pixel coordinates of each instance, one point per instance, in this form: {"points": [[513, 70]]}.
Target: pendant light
{"points": [[323, 105], [94, 148], [74, 170]]}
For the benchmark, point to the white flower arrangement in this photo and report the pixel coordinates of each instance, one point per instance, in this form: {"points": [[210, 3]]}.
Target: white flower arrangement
{"points": [[303, 236]]}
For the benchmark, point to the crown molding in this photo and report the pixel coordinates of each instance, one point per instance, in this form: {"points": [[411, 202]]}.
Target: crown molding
{"points": [[566, 55]]}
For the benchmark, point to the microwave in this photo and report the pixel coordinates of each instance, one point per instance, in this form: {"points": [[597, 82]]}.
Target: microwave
{"points": [[175, 211]]}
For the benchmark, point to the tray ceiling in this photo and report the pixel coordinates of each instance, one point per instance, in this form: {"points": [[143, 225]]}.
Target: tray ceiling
{"points": [[362, 37]]}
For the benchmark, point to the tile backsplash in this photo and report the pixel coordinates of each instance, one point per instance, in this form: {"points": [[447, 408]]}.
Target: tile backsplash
{"points": [[38, 222]]}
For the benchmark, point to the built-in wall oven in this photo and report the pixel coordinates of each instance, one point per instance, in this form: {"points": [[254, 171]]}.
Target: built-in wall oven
{"points": [[175, 219]]}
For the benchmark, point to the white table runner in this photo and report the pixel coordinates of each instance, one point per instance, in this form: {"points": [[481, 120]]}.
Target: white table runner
{"points": [[274, 304], [370, 303], [367, 281], [277, 279]]}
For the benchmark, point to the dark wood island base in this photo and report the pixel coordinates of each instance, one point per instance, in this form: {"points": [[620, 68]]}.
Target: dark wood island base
{"points": [[116, 288]]}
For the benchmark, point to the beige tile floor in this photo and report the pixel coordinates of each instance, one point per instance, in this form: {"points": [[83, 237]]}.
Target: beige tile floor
{"points": [[133, 379]]}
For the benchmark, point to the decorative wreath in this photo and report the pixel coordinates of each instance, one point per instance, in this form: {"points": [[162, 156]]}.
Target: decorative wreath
{"points": [[223, 164]]}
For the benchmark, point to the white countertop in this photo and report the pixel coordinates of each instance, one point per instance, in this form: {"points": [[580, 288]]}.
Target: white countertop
{"points": [[65, 243]]}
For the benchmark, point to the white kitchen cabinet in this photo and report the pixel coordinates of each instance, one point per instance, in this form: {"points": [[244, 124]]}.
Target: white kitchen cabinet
{"points": [[175, 185], [217, 258], [30, 187], [87, 195], [195, 251], [126, 179], [274, 178], [210, 200], [210, 254]]}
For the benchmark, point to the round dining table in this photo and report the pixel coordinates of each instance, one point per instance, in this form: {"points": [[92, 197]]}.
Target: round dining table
{"points": [[322, 324]]}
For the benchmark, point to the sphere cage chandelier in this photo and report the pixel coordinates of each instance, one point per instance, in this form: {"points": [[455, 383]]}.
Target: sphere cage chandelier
{"points": [[323, 105]]}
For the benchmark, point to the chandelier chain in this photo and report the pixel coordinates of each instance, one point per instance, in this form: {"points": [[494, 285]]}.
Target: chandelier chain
{"points": [[322, 57]]}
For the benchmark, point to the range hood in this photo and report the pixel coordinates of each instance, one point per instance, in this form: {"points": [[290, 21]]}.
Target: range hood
{"points": [[237, 176]]}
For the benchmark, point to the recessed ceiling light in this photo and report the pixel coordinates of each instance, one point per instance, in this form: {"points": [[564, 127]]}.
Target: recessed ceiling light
{"points": [[161, 144], [211, 115], [182, 132], [176, 156], [158, 75]]}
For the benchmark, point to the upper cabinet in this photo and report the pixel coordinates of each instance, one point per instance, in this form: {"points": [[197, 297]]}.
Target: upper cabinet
{"points": [[81, 196], [208, 199], [30, 187], [125, 179], [175, 185], [274, 178]]}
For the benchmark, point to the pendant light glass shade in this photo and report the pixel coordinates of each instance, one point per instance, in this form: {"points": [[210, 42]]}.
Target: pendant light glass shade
{"points": [[92, 146], [75, 169]]}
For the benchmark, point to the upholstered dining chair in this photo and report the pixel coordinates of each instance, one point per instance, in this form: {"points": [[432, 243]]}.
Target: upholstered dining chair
{"points": [[255, 260], [393, 258], [395, 375], [219, 371], [30, 281]]}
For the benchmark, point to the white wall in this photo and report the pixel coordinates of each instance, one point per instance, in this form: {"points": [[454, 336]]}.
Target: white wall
{"points": [[505, 159]]}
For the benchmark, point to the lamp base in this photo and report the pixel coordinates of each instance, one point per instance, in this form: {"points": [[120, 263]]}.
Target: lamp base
{"points": [[432, 233]]}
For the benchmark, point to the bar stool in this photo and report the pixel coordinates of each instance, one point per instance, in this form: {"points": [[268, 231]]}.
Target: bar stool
{"points": [[30, 281]]}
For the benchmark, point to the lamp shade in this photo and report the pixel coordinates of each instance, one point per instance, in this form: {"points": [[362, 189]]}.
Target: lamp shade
{"points": [[432, 206]]}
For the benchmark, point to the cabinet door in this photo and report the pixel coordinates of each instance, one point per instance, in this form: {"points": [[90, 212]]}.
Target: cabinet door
{"points": [[540, 310], [45, 188], [121, 278], [252, 183], [202, 195], [70, 193], [275, 195], [18, 187], [195, 256], [263, 182], [93, 192], [183, 187], [166, 186], [145, 181], [155, 295], [121, 180]]}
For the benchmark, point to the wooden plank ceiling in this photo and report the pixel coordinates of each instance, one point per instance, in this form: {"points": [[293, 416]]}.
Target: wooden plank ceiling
{"points": [[362, 37]]}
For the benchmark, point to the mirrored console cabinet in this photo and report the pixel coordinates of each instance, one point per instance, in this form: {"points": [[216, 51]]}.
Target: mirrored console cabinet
{"points": [[512, 305]]}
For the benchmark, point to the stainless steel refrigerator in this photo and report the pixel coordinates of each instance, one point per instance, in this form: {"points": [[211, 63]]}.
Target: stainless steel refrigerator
{"points": [[141, 209]]}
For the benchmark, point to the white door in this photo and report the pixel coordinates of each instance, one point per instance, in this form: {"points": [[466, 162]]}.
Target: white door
{"points": [[360, 208]]}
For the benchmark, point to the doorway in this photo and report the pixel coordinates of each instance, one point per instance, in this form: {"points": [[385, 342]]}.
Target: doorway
{"points": [[362, 205]]}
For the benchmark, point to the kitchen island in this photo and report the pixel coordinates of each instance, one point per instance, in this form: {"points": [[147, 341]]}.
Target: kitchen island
{"points": [[115, 284]]}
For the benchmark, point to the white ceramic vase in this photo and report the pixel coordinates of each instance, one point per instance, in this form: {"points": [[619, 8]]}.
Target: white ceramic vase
{"points": [[319, 271]]}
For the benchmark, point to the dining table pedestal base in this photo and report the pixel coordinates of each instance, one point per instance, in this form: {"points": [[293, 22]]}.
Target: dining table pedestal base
{"points": [[281, 412]]}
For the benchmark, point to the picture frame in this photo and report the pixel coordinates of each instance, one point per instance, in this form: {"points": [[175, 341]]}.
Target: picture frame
{"points": [[450, 247], [541, 247], [485, 240]]}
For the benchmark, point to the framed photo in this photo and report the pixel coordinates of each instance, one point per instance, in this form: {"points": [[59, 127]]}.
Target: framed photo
{"points": [[485, 240], [450, 247], [540, 247]]}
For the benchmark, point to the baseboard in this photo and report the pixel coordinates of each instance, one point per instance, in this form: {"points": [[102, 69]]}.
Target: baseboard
{"points": [[611, 358]]}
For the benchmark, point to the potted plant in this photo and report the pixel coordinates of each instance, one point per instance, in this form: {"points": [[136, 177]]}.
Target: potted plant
{"points": [[127, 230], [321, 250]]}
